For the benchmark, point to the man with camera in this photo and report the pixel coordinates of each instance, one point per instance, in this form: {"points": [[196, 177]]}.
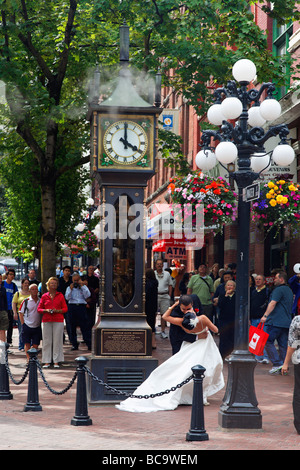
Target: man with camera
{"points": [[76, 295]]}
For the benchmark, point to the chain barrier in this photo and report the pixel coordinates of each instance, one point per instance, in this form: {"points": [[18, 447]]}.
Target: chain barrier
{"points": [[131, 395], [196, 433], [48, 386], [19, 382], [94, 377], [16, 382]]}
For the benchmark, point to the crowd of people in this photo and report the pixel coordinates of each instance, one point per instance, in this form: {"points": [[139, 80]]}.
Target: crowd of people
{"points": [[70, 301], [274, 301], [274, 304], [72, 296]]}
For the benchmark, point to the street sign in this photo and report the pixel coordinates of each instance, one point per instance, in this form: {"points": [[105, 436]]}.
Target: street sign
{"points": [[175, 252], [252, 192]]}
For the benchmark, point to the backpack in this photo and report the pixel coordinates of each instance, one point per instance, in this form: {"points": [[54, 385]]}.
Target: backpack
{"points": [[25, 302]]}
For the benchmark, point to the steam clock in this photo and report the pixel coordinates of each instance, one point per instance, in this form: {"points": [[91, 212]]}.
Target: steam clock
{"points": [[123, 152]]}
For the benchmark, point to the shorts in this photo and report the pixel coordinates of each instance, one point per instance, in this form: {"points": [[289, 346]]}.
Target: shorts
{"points": [[31, 335], [4, 322]]}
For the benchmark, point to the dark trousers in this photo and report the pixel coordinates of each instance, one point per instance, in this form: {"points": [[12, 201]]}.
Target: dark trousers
{"points": [[78, 317], [226, 342], [296, 397], [10, 325]]}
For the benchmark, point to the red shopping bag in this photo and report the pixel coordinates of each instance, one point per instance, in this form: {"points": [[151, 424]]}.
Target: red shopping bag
{"points": [[257, 339]]}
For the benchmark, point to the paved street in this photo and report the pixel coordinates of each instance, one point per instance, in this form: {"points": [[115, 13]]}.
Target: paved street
{"points": [[114, 430]]}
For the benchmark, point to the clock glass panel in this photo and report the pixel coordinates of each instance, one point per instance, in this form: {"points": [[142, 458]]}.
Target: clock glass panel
{"points": [[125, 142]]}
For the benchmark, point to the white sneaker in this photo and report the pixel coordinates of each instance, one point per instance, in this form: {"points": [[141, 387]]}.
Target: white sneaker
{"points": [[275, 370], [164, 335]]}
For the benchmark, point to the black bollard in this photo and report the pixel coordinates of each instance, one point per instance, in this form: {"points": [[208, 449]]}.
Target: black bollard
{"points": [[197, 431], [4, 382], [81, 417], [33, 391]]}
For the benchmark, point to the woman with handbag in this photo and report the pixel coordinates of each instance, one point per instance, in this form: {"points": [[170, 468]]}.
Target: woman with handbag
{"points": [[259, 299]]}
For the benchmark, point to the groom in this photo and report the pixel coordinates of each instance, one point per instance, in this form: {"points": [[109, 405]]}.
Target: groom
{"points": [[176, 334]]}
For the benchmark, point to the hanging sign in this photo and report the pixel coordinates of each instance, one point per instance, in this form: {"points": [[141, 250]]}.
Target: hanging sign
{"points": [[175, 252], [251, 193]]}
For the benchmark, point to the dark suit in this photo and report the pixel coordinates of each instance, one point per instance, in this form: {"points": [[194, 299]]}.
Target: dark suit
{"points": [[176, 334]]}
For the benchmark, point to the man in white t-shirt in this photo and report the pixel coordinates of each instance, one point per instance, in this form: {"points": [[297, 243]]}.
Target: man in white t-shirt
{"points": [[165, 285], [31, 320]]}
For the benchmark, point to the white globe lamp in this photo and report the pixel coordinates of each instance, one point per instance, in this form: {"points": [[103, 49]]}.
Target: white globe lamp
{"points": [[231, 107], [205, 160], [244, 70], [283, 155], [296, 268], [215, 115], [270, 109], [260, 162], [255, 118], [226, 152]]}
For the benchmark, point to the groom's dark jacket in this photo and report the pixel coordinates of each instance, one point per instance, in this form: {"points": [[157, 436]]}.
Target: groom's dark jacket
{"points": [[177, 335]]}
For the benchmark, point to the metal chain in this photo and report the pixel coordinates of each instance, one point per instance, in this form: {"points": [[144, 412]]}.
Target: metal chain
{"points": [[94, 377], [131, 395], [16, 382], [48, 386]]}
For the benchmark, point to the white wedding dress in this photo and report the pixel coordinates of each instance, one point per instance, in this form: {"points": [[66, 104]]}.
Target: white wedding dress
{"points": [[174, 371]]}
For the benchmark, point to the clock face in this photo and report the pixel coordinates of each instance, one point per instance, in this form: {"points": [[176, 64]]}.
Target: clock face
{"points": [[125, 142]]}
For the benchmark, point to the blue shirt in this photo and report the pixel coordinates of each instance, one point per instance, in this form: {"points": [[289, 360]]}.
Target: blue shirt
{"points": [[77, 295], [11, 289], [281, 316]]}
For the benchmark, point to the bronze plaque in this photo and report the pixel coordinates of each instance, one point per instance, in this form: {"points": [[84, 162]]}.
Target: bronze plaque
{"points": [[123, 342]]}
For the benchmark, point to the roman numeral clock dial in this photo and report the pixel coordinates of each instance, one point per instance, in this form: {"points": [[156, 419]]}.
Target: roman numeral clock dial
{"points": [[125, 142]]}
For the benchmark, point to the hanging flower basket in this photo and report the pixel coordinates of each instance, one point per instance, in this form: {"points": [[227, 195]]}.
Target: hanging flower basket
{"points": [[89, 243], [278, 206], [218, 199]]}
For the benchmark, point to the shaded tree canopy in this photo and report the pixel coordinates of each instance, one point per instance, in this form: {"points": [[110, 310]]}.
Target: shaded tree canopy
{"points": [[48, 52]]}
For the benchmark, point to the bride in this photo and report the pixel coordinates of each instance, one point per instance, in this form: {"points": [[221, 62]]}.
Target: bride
{"points": [[178, 368]]}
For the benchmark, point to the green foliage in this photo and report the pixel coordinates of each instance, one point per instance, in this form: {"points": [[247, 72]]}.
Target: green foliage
{"points": [[283, 10], [48, 51], [170, 150]]}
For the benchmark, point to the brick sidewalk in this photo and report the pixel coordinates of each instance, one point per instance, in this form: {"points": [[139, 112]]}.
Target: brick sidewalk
{"points": [[50, 429]]}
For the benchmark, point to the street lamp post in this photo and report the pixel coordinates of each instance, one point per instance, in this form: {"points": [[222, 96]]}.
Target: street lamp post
{"points": [[243, 142]]}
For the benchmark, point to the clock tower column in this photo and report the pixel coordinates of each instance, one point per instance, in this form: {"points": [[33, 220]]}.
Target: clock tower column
{"points": [[124, 145]]}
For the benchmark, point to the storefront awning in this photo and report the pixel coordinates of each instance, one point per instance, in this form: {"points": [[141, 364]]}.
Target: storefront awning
{"points": [[162, 245]]}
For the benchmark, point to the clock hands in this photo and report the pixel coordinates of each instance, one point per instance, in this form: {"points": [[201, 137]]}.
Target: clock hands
{"points": [[127, 144], [125, 141]]}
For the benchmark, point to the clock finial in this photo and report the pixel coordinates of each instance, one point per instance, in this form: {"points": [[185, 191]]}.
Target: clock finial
{"points": [[124, 43], [157, 99]]}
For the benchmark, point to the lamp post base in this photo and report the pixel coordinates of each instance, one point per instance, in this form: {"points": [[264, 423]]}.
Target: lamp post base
{"points": [[239, 409]]}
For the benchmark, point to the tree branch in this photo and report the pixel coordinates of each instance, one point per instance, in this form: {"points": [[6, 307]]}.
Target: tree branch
{"points": [[27, 41], [62, 67], [24, 131], [76, 164]]}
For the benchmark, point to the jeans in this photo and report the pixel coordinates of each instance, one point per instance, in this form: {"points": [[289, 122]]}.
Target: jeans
{"points": [[255, 322], [281, 335]]}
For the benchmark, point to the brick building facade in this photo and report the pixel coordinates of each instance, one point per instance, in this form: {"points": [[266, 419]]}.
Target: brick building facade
{"points": [[266, 253]]}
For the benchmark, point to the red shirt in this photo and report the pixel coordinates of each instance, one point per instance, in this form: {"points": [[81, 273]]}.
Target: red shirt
{"points": [[58, 303]]}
